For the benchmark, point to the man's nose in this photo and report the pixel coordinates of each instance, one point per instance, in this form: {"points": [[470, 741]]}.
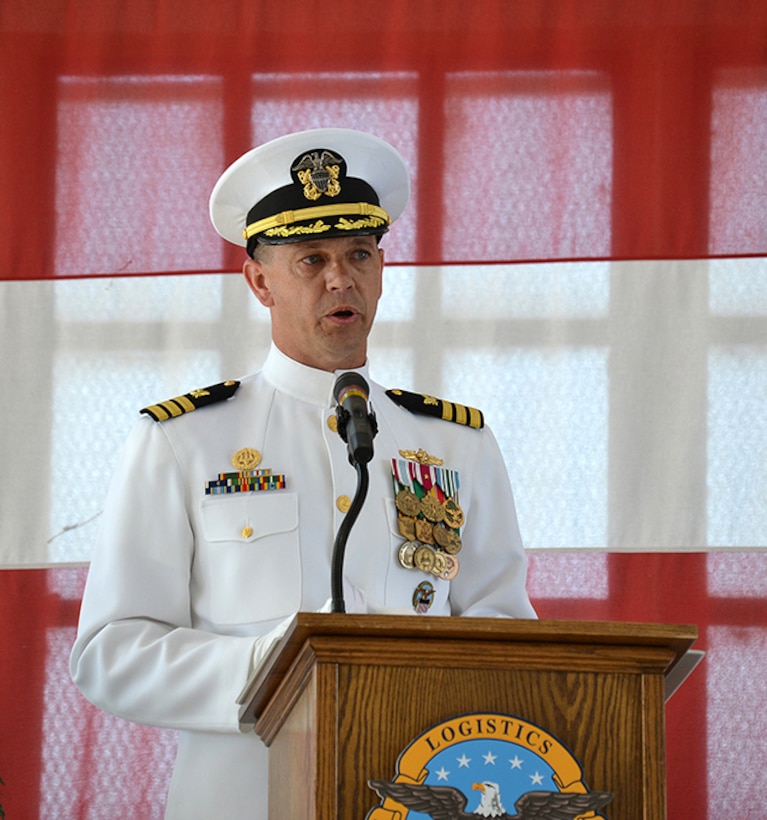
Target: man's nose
{"points": [[338, 275]]}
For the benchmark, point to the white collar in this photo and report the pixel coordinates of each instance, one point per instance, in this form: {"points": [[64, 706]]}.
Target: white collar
{"points": [[302, 382]]}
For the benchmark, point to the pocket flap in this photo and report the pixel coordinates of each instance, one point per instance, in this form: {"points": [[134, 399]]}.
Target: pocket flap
{"points": [[248, 517]]}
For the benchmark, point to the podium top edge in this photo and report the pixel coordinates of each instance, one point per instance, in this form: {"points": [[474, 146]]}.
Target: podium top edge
{"points": [[492, 629], [308, 626]]}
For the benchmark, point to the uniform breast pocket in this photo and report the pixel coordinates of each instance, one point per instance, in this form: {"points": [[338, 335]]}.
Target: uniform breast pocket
{"points": [[248, 564]]}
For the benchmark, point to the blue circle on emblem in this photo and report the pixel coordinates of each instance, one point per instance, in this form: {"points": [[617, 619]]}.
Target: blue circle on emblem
{"points": [[511, 769]]}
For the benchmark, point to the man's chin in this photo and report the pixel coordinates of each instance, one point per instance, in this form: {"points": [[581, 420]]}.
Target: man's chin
{"points": [[338, 355]]}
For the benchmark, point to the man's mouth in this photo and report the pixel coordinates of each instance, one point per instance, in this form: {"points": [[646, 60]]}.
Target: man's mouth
{"points": [[342, 314]]}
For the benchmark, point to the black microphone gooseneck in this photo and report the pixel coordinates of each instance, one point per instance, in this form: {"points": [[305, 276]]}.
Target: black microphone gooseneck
{"points": [[357, 427]]}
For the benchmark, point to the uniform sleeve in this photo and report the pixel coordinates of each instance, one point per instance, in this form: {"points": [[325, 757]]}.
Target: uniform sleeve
{"points": [[136, 654], [493, 571]]}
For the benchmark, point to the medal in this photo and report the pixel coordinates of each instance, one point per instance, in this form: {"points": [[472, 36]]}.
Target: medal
{"points": [[453, 543], [454, 516], [407, 502], [443, 536], [423, 531], [452, 567], [423, 558], [406, 526], [429, 516], [432, 509], [423, 597], [440, 564], [405, 554]]}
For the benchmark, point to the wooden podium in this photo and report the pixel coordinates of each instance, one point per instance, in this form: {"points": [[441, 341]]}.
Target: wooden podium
{"points": [[343, 695]]}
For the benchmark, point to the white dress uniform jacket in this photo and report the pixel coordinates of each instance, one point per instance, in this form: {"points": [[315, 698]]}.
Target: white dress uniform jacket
{"points": [[187, 590]]}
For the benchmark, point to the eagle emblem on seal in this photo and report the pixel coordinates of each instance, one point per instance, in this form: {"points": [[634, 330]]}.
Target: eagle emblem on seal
{"points": [[447, 803]]}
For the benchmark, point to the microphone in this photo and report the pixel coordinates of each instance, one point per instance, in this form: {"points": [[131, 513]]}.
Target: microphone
{"points": [[356, 425]]}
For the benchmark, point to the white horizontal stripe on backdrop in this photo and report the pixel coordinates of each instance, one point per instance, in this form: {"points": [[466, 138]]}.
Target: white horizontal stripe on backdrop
{"points": [[628, 397]]}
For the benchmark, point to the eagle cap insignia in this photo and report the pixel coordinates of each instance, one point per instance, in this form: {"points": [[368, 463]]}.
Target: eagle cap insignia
{"points": [[319, 171]]}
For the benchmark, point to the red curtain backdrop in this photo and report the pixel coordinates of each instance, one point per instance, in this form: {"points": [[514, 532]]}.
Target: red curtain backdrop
{"points": [[61, 757], [643, 143], [661, 62]]}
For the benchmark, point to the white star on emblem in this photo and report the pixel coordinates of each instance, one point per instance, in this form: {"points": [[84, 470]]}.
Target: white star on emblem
{"points": [[442, 774], [489, 759], [464, 761], [516, 763], [537, 779]]}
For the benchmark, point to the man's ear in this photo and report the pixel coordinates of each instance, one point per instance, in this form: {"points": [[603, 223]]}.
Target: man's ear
{"points": [[256, 278]]}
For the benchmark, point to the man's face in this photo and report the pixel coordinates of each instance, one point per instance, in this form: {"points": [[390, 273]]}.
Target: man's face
{"points": [[322, 294]]}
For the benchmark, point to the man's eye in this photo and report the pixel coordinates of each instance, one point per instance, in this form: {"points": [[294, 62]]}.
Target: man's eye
{"points": [[311, 260]]}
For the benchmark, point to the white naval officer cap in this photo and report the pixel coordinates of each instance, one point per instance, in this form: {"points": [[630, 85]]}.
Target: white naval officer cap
{"points": [[325, 182]]}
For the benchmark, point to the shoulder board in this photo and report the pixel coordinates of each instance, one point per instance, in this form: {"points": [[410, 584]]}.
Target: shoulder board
{"points": [[191, 401], [439, 408]]}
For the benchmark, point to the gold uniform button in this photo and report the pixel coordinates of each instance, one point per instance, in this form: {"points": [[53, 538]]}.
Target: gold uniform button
{"points": [[247, 532], [343, 502], [333, 423]]}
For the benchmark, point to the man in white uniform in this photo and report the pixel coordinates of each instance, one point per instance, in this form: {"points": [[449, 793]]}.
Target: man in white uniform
{"points": [[220, 523]]}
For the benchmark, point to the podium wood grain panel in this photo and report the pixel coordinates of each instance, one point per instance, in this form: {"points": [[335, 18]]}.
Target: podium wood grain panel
{"points": [[343, 704], [372, 735]]}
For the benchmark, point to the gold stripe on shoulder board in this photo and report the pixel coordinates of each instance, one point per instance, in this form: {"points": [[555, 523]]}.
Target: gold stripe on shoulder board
{"points": [[172, 408], [424, 405]]}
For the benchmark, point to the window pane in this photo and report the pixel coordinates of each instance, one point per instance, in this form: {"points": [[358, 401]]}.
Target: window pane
{"points": [[738, 287], [527, 196], [561, 290], [162, 299], [549, 411], [558, 574], [737, 446], [137, 159], [736, 668], [124, 764], [739, 161], [97, 398], [736, 574]]}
